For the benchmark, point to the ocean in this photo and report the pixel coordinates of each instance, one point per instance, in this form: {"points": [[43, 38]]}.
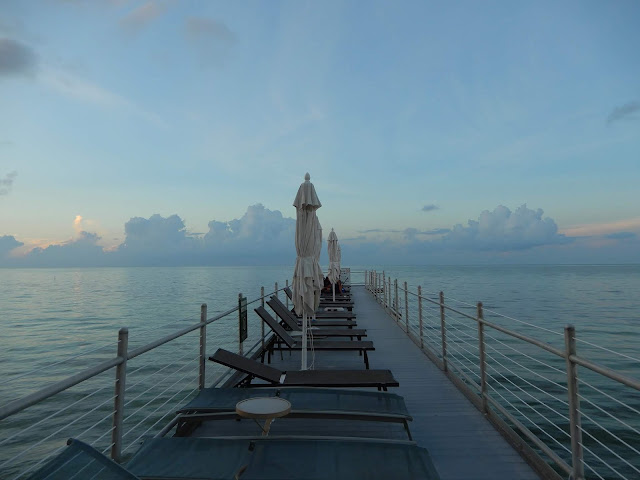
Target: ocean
{"points": [[54, 322]]}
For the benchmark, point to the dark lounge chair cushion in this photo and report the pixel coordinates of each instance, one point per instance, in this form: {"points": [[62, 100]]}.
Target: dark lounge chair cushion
{"points": [[318, 345], [302, 399], [320, 459], [309, 378], [79, 460], [190, 458]]}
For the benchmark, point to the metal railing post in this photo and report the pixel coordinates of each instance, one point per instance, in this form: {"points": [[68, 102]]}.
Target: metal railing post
{"points": [[286, 297], [384, 290], [406, 306], [276, 290], [203, 344], [262, 321], [420, 316], [389, 290], [574, 404], [120, 386], [482, 359], [395, 300], [443, 332]]}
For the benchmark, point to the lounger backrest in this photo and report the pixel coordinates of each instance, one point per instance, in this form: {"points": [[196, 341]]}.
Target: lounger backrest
{"points": [[81, 457], [283, 313], [275, 326], [246, 365]]}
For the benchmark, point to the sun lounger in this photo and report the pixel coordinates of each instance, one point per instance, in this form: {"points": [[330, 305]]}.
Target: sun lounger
{"points": [[382, 379], [292, 344], [325, 303], [338, 459], [292, 324], [79, 460], [306, 403], [324, 321], [286, 458]]}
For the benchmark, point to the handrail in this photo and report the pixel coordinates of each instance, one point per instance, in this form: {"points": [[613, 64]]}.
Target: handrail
{"points": [[455, 363], [22, 403], [28, 400]]}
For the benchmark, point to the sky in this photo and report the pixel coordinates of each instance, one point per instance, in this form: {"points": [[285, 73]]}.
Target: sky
{"points": [[177, 132]]}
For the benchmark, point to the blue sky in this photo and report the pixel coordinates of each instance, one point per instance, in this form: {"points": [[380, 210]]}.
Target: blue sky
{"points": [[151, 132]]}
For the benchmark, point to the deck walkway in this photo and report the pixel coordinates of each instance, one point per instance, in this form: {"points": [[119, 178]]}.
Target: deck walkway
{"points": [[462, 443]]}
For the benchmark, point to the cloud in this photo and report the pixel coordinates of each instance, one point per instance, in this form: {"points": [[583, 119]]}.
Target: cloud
{"points": [[7, 182], [430, 208], [87, 92], [16, 58], [622, 235], [626, 111], [80, 252], [8, 243], [140, 17], [259, 235], [506, 231], [212, 39], [265, 237]]}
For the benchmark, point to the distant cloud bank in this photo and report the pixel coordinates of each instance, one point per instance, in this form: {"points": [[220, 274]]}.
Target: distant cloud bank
{"points": [[265, 237]]}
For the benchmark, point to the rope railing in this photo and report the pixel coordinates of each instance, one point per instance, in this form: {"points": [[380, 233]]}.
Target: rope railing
{"points": [[517, 380]]}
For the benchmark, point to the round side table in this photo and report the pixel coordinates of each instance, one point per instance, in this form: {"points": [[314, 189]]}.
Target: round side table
{"points": [[263, 408]]}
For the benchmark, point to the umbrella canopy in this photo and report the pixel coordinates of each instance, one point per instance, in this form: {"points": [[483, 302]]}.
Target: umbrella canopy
{"points": [[334, 260], [307, 274]]}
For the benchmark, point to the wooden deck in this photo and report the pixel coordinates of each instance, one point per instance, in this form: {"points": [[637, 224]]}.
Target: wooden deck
{"points": [[462, 443]]}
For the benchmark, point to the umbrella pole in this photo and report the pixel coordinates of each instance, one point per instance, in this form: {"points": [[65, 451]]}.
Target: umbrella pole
{"points": [[333, 287], [304, 341]]}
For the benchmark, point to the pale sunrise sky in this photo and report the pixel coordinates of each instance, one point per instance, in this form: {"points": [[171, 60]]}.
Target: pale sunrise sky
{"points": [[178, 132]]}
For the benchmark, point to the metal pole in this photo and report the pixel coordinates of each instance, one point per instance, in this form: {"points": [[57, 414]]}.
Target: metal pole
{"points": [[203, 344], [483, 359], [286, 297], [395, 300], [443, 332], [420, 316], [384, 290], [276, 289], [574, 404], [406, 306], [262, 321], [121, 380], [389, 290]]}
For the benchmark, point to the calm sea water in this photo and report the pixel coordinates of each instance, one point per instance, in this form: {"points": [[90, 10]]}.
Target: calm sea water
{"points": [[49, 315]]}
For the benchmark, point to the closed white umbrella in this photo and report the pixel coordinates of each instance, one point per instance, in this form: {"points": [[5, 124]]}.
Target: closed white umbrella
{"points": [[334, 261], [307, 274]]}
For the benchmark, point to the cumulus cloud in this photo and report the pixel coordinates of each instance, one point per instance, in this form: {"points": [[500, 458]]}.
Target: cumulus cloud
{"points": [[430, 208], [259, 233], [7, 182], [141, 16], [265, 237], [504, 230], [157, 241], [16, 58], [212, 39], [82, 251], [626, 111], [8, 243]]}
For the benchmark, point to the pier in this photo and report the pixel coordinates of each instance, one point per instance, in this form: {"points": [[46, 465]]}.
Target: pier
{"points": [[482, 397]]}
